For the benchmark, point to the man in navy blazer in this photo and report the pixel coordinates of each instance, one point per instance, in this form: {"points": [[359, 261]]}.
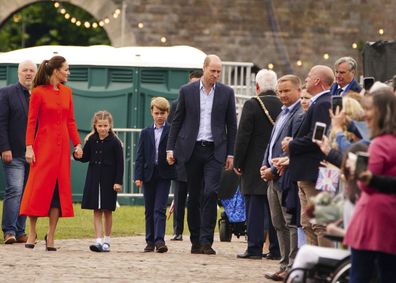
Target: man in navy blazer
{"points": [[14, 106], [289, 92], [345, 71], [305, 156], [180, 183], [202, 136]]}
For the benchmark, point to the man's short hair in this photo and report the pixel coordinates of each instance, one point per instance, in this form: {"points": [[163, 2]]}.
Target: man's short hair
{"points": [[349, 60], [291, 78], [266, 80]]}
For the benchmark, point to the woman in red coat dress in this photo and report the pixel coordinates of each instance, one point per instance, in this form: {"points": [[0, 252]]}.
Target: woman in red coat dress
{"points": [[48, 189]]}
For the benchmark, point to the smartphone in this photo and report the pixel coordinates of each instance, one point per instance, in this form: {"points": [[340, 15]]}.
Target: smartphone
{"points": [[361, 162], [368, 82], [336, 101], [319, 131]]}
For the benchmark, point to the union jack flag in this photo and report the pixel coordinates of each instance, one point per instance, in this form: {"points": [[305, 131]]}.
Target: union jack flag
{"points": [[327, 179]]}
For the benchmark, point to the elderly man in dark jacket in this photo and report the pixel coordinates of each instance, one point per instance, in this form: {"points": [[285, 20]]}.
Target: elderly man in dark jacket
{"points": [[257, 119]]}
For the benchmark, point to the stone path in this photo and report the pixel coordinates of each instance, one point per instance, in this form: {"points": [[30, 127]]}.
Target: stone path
{"points": [[73, 262]]}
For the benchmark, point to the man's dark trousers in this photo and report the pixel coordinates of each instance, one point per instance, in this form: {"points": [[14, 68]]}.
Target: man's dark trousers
{"points": [[203, 174]]}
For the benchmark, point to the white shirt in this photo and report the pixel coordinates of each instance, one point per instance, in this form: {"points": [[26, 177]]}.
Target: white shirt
{"points": [[205, 118]]}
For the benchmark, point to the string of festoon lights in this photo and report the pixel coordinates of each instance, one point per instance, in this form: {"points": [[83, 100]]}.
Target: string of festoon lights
{"points": [[87, 24]]}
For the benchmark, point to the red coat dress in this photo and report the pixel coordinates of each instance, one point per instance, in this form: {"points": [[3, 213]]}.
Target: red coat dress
{"points": [[51, 111]]}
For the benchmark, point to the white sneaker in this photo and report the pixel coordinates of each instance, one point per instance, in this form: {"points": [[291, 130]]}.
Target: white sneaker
{"points": [[106, 247]]}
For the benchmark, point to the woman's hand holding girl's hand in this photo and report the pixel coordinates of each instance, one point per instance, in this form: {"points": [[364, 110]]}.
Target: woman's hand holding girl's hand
{"points": [[78, 152], [29, 155]]}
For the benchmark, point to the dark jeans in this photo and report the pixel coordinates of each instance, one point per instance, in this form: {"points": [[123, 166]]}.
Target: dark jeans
{"points": [[203, 175], [367, 264], [15, 175]]}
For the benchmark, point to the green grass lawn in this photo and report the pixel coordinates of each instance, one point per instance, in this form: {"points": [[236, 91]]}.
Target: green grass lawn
{"points": [[127, 221]]}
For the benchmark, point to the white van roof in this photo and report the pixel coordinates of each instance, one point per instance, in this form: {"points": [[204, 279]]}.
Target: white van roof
{"points": [[103, 55]]}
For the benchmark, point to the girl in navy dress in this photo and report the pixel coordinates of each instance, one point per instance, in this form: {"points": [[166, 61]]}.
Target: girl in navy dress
{"points": [[103, 151]]}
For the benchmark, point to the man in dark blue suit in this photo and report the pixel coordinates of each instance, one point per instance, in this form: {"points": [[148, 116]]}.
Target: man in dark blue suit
{"points": [[14, 106], [180, 184], [289, 92], [305, 156], [345, 71], [202, 136]]}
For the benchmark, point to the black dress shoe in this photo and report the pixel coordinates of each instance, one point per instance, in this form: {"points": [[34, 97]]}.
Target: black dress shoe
{"points": [[177, 237], [207, 250], [149, 248], [196, 249], [272, 256], [249, 256], [161, 248]]}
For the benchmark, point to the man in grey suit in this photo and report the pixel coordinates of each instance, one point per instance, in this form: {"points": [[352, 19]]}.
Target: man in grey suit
{"points": [[14, 106], [289, 92], [202, 136]]}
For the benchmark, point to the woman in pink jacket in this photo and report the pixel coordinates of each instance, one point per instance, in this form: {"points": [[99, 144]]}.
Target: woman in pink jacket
{"points": [[371, 233]]}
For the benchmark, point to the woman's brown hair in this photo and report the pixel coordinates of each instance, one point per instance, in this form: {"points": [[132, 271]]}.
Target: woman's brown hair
{"points": [[384, 103], [46, 69]]}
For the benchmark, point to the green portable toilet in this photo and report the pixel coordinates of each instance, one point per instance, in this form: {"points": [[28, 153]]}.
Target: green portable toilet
{"points": [[120, 80]]}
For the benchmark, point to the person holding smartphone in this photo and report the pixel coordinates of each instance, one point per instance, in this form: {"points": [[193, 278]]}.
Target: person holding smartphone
{"points": [[371, 234]]}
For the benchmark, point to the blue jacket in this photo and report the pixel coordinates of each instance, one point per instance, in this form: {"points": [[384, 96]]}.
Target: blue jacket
{"points": [[305, 156], [14, 109], [353, 85], [145, 156]]}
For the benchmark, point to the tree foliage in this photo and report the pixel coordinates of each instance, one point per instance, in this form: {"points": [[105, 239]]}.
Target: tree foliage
{"points": [[42, 24]]}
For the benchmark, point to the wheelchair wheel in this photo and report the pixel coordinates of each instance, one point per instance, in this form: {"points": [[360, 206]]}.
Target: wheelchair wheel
{"points": [[224, 231], [341, 275]]}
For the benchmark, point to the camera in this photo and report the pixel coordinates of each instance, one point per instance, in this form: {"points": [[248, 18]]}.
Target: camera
{"points": [[361, 162], [336, 101], [319, 131], [368, 82]]}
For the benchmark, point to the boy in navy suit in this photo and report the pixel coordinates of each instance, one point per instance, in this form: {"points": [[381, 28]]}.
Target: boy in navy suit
{"points": [[154, 173]]}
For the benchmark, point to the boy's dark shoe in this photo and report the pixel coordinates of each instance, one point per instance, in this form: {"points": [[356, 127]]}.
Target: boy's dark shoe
{"points": [[149, 248]]}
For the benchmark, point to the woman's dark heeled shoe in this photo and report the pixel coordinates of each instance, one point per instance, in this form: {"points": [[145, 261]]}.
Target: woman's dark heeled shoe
{"points": [[47, 248], [31, 246]]}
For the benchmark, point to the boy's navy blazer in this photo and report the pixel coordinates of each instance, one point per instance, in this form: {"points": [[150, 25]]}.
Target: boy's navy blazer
{"points": [[305, 156], [145, 159]]}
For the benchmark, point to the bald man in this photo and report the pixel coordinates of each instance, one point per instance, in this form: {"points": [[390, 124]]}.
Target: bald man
{"points": [[302, 151], [202, 136], [14, 106]]}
